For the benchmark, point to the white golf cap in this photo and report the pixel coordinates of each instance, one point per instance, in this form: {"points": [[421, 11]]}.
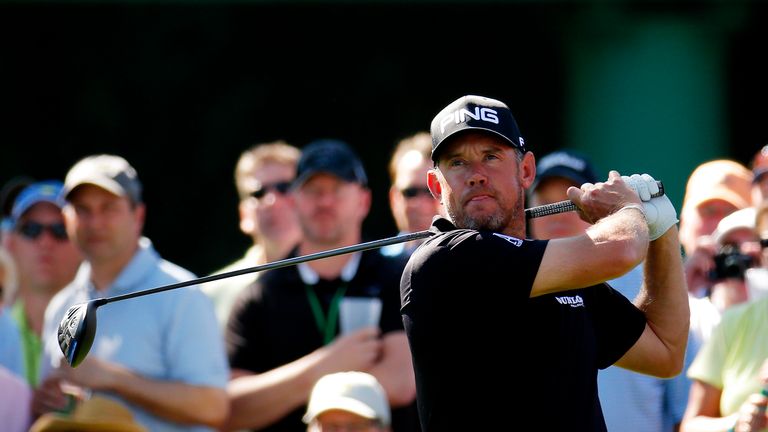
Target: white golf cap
{"points": [[740, 219], [109, 172], [356, 392]]}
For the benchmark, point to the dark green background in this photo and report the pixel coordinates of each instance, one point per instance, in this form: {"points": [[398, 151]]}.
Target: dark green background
{"points": [[180, 89]]}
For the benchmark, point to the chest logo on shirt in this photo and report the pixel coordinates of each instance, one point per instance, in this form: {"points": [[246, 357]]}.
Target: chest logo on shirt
{"points": [[514, 240], [572, 301]]}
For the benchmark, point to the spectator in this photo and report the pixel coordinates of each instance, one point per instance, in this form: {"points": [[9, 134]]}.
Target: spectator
{"points": [[8, 193], [263, 176], [10, 342], [555, 173], [761, 229], [15, 394], [352, 401], [15, 397], [161, 355], [714, 190], [759, 167], [410, 200], [725, 394], [283, 333], [738, 249], [46, 261], [630, 401]]}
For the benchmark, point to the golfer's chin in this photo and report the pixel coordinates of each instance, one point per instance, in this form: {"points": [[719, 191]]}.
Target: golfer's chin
{"points": [[482, 209], [487, 219]]}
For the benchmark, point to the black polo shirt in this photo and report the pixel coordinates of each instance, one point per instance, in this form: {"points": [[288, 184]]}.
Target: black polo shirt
{"points": [[272, 322], [466, 306]]}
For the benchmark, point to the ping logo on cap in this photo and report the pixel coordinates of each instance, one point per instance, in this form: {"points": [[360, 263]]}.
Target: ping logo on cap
{"points": [[460, 116]]}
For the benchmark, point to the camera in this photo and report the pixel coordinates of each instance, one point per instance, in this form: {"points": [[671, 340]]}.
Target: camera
{"points": [[730, 263]]}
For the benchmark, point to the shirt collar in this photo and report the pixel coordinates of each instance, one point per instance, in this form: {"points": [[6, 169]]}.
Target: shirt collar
{"points": [[129, 277], [310, 277], [441, 224]]}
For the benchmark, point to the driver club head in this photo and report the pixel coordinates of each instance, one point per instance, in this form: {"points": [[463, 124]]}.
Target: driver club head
{"points": [[76, 331]]}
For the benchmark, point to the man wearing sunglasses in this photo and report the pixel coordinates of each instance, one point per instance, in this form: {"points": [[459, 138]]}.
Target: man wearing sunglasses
{"points": [[263, 176], [412, 205], [46, 261], [284, 332]]}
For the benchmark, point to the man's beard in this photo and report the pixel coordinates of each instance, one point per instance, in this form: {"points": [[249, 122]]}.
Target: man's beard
{"points": [[499, 221]]}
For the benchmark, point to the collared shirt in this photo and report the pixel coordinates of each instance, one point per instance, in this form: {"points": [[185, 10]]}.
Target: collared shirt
{"points": [[733, 356], [471, 323], [169, 336], [224, 292], [634, 402], [310, 277], [272, 323], [15, 395], [31, 344], [403, 249], [10, 344]]}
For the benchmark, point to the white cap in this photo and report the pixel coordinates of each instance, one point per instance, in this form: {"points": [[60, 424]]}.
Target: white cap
{"points": [[111, 173], [744, 218], [356, 392]]}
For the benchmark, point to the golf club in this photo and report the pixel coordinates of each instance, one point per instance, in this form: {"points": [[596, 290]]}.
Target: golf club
{"points": [[78, 327]]}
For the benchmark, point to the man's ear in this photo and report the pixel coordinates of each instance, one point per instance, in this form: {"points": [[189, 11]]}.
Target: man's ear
{"points": [[247, 222], [433, 183], [527, 170]]}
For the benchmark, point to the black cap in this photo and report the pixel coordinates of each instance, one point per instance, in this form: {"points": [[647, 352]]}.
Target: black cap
{"points": [[566, 164], [759, 173], [332, 157], [475, 113]]}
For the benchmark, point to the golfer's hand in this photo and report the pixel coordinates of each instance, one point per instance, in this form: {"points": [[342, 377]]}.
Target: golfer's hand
{"points": [[659, 211], [596, 201]]}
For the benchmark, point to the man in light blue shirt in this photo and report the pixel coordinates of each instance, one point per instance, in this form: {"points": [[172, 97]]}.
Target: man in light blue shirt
{"points": [[634, 402], [163, 354]]}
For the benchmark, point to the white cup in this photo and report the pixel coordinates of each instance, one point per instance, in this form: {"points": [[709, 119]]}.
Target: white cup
{"points": [[359, 312]]}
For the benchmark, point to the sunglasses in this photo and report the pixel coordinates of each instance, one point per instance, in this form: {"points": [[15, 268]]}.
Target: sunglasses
{"points": [[33, 230], [414, 191], [280, 187]]}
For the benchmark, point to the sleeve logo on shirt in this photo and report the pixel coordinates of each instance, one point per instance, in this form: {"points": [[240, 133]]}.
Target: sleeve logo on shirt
{"points": [[572, 301], [514, 240]]}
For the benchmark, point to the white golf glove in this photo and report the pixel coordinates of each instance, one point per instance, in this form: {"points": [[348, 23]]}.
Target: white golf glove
{"points": [[659, 212]]}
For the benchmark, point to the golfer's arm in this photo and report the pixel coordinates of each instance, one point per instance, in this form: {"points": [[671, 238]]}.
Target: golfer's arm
{"points": [[174, 401], [613, 246], [660, 351], [395, 369]]}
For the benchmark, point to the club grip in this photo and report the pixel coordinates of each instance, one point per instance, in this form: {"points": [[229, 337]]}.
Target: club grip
{"points": [[567, 205]]}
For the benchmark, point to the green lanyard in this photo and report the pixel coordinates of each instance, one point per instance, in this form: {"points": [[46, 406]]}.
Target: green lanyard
{"points": [[326, 326]]}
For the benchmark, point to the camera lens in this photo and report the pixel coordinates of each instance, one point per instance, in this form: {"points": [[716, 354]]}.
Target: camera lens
{"points": [[730, 263]]}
